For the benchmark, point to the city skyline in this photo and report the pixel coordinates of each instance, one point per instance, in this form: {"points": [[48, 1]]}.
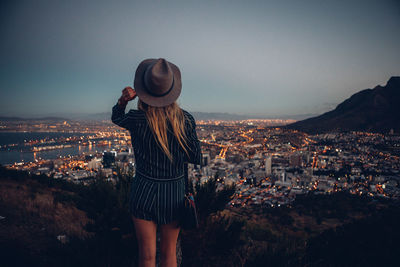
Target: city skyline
{"points": [[257, 58]]}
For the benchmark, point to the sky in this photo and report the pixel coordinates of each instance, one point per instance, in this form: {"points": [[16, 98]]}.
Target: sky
{"points": [[269, 58]]}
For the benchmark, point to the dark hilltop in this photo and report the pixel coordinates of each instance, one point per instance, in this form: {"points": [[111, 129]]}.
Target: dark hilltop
{"points": [[372, 110]]}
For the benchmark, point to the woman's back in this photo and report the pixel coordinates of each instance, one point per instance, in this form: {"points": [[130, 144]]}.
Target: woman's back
{"points": [[150, 159], [163, 138]]}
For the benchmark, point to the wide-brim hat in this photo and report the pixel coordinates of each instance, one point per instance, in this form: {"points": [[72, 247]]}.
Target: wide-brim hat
{"points": [[157, 82]]}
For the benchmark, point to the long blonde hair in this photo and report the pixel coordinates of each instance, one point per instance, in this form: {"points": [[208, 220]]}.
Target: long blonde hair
{"points": [[157, 118]]}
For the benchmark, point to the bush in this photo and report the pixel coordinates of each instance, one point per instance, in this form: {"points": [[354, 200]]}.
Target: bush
{"points": [[208, 200]]}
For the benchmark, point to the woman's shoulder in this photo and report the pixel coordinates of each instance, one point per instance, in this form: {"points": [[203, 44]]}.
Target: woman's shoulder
{"points": [[189, 117], [188, 114], [136, 114]]}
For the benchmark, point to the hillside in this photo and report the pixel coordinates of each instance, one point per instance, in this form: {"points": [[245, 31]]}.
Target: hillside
{"points": [[35, 210], [34, 217], [374, 110], [317, 230]]}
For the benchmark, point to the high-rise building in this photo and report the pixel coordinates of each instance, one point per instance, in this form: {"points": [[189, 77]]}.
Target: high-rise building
{"points": [[284, 176], [295, 160], [109, 159], [268, 165], [205, 158]]}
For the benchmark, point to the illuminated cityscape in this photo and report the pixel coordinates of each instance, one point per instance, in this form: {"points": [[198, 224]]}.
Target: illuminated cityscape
{"points": [[268, 165], [297, 111]]}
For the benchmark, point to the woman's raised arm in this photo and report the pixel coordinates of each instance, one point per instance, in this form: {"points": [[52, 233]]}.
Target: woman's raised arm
{"points": [[118, 115], [194, 150]]}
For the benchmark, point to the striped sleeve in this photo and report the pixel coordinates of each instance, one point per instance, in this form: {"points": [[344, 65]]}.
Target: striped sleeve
{"points": [[120, 118], [195, 155]]}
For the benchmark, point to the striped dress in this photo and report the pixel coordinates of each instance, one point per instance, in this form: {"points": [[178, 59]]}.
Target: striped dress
{"points": [[158, 188]]}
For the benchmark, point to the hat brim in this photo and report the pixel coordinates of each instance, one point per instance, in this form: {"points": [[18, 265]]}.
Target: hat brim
{"points": [[154, 100]]}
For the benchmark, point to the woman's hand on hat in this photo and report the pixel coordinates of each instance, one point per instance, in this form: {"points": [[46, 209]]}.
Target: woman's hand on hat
{"points": [[128, 94]]}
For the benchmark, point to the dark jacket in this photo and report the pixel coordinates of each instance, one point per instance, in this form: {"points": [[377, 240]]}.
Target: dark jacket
{"points": [[150, 158]]}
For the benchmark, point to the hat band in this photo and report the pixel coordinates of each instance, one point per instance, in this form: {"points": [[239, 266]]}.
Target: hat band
{"points": [[153, 94]]}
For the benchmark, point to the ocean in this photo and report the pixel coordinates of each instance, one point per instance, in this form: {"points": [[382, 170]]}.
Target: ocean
{"points": [[16, 155]]}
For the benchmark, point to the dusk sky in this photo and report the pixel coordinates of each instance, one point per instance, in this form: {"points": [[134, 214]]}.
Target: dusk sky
{"points": [[267, 58]]}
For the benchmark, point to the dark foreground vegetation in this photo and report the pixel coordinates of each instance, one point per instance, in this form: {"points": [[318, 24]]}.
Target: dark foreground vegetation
{"points": [[317, 230]]}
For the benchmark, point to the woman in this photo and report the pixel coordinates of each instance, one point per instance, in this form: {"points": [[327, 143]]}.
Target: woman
{"points": [[164, 138]]}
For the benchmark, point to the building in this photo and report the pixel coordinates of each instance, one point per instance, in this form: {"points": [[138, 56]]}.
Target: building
{"points": [[268, 165], [109, 159], [205, 158], [94, 164], [295, 160]]}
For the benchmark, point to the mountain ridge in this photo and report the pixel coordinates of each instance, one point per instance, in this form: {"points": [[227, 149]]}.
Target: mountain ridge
{"points": [[16, 118], [374, 110], [198, 115]]}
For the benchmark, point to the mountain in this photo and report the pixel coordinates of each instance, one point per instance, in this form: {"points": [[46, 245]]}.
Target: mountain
{"points": [[106, 116], [374, 110], [103, 116], [9, 119], [221, 116], [196, 114], [230, 116]]}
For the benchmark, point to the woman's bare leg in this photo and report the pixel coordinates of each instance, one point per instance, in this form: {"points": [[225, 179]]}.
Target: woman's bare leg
{"points": [[146, 236], [169, 237]]}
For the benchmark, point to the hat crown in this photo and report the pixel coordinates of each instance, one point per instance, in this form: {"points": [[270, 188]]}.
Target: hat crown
{"points": [[158, 78], [157, 82]]}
